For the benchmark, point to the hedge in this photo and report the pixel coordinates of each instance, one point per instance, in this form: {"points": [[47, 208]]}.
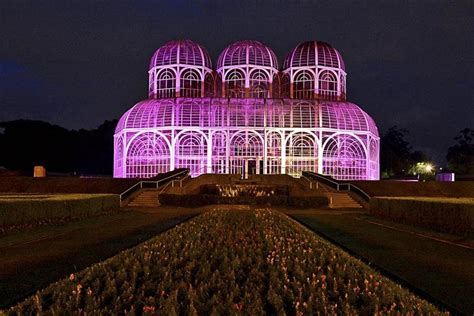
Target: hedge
{"points": [[449, 215], [21, 209], [190, 200]]}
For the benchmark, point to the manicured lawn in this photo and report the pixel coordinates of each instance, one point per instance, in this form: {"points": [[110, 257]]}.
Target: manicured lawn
{"points": [[253, 262], [32, 259], [441, 270]]}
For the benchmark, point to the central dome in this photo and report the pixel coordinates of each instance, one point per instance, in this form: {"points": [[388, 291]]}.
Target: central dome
{"points": [[247, 53]]}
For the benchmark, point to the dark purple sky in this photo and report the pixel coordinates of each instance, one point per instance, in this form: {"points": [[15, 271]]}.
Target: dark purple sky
{"points": [[78, 63]]}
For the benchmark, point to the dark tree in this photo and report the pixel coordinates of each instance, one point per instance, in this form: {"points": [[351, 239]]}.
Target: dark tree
{"points": [[395, 153], [460, 156], [26, 143]]}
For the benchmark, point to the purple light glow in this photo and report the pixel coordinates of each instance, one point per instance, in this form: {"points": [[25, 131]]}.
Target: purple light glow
{"points": [[247, 117]]}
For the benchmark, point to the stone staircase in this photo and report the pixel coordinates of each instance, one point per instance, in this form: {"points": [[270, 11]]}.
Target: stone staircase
{"points": [[146, 198], [342, 200]]}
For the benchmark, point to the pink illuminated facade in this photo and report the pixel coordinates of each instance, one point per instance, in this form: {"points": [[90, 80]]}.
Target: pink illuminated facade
{"points": [[247, 116]]}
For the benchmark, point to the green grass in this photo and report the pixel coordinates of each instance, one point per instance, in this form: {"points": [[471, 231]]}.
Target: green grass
{"points": [[250, 262], [442, 271]]}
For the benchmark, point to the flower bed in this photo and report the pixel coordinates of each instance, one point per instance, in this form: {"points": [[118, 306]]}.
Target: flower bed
{"points": [[228, 262]]}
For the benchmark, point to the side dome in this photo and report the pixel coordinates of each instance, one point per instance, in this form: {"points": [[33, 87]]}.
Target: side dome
{"points": [[183, 52], [247, 69], [149, 113], [180, 68], [346, 116], [314, 70]]}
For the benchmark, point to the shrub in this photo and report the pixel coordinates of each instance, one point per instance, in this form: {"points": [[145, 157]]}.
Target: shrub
{"points": [[187, 200], [449, 215], [308, 201], [225, 262], [21, 209]]}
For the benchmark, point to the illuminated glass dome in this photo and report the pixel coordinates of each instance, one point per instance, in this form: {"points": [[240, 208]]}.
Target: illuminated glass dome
{"points": [[314, 70], [237, 121], [247, 69], [182, 52], [180, 68]]}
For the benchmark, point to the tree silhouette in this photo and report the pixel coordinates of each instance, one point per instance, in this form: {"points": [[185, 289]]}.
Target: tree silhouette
{"points": [[460, 156]]}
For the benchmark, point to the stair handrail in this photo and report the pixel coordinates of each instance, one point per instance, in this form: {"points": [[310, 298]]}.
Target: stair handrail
{"points": [[339, 186], [139, 184]]}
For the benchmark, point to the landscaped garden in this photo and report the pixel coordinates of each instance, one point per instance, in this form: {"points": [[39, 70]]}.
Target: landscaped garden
{"points": [[229, 261]]}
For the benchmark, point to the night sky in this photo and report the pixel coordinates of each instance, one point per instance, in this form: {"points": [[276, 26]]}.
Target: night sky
{"points": [[78, 63]]}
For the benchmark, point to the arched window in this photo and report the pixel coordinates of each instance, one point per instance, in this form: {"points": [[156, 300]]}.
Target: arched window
{"points": [[259, 83], [301, 153], [235, 84], [166, 84], [118, 157], [344, 158], [147, 156], [190, 84], [191, 148], [276, 86], [303, 85], [328, 84], [151, 84], [219, 153]]}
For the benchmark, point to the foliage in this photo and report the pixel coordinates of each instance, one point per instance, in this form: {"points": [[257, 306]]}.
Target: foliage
{"points": [[20, 211], [460, 156], [195, 200], [408, 188], [397, 158], [394, 152], [52, 185], [225, 262], [450, 215], [26, 143]]}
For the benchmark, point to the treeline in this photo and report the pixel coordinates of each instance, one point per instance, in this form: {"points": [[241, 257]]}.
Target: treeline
{"points": [[26, 143], [399, 159]]}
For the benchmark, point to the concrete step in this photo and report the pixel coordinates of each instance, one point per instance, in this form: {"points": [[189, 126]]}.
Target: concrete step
{"points": [[147, 197], [342, 200]]}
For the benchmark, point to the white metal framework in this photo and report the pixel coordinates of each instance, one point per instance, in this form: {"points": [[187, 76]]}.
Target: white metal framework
{"points": [[247, 117]]}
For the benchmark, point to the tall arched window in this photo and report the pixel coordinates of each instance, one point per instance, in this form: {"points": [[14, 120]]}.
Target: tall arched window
{"points": [[301, 153], [303, 85], [191, 152], [328, 84], [166, 84], [209, 85], [285, 86], [190, 84], [259, 83], [235, 84]]}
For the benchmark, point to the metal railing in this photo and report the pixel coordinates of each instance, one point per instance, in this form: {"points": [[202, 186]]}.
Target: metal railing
{"points": [[338, 186], [299, 174], [152, 184]]}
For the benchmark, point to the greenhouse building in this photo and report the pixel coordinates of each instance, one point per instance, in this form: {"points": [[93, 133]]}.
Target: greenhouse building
{"points": [[247, 115]]}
